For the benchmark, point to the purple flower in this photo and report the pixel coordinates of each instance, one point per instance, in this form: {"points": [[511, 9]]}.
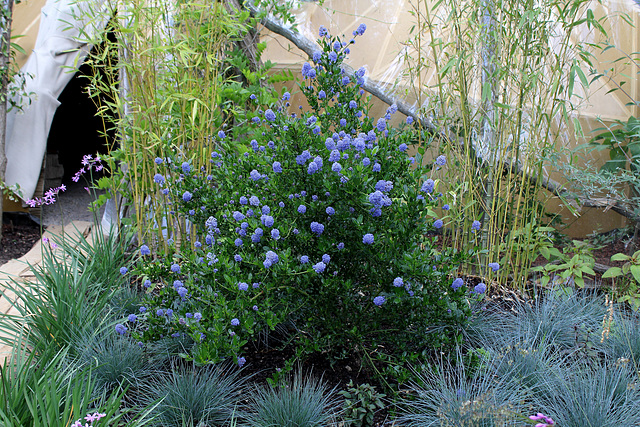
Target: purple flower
{"points": [[158, 161], [144, 250], [333, 57], [427, 186], [480, 288], [121, 329], [376, 167], [475, 226], [221, 135], [266, 210], [238, 242], [398, 282], [343, 122], [143, 309], [197, 316], [323, 31], [381, 124], [243, 286], [186, 196], [367, 239], [336, 167], [322, 94], [446, 207], [255, 175], [317, 228], [270, 115], [340, 246], [237, 258], [319, 267], [317, 56], [326, 258], [441, 160], [346, 80], [267, 220], [409, 120], [302, 209], [159, 312], [186, 167], [402, 147], [235, 322], [312, 168], [379, 300], [275, 234], [241, 361], [182, 291], [123, 270], [175, 268], [494, 266], [366, 161], [457, 283], [304, 259], [132, 318], [360, 30], [254, 201], [546, 421], [159, 179], [438, 223], [277, 167], [353, 104], [330, 211]]}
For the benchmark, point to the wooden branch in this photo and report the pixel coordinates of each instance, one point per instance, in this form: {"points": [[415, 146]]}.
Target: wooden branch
{"points": [[309, 47]]}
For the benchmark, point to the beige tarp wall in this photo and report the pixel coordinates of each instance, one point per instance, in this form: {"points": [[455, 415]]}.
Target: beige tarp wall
{"points": [[381, 51]]}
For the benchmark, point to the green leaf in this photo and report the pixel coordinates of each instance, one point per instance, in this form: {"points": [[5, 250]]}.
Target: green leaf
{"points": [[619, 257], [635, 271], [612, 272]]}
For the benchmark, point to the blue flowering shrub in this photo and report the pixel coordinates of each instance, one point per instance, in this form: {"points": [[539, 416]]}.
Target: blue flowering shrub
{"points": [[324, 220]]}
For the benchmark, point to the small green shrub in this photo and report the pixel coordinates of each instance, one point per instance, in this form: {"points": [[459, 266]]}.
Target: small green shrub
{"points": [[361, 404]]}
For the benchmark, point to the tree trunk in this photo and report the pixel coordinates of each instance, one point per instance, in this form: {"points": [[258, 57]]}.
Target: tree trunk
{"points": [[5, 58]]}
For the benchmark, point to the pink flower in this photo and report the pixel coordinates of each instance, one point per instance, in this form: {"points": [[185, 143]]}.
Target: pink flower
{"points": [[45, 240]]}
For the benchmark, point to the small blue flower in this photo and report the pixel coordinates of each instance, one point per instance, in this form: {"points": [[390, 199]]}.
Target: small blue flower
{"points": [[147, 283], [402, 147], [326, 258], [266, 210], [366, 161], [159, 179], [182, 291], [286, 96], [302, 209], [379, 300], [343, 122], [446, 207], [254, 201], [457, 283], [317, 56], [336, 167], [346, 80], [270, 115], [238, 242], [221, 134], [398, 282], [121, 329], [438, 223], [381, 125], [186, 167], [361, 29], [427, 186], [322, 94], [235, 322], [494, 266], [313, 168], [304, 259], [367, 239], [241, 361], [441, 160], [353, 104], [253, 96], [175, 268], [323, 31], [409, 120], [275, 234], [330, 211], [186, 196], [143, 309], [319, 267], [159, 312], [317, 228], [376, 167], [277, 167], [144, 250], [267, 220], [340, 246], [158, 161], [475, 226], [123, 270], [333, 57], [237, 258], [243, 286], [480, 288], [132, 318], [255, 175], [197, 316]]}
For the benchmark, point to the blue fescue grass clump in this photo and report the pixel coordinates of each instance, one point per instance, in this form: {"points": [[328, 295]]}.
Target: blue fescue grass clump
{"points": [[297, 401], [190, 396], [322, 219]]}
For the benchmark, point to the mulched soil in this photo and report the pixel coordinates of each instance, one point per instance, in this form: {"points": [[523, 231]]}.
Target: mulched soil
{"points": [[19, 234]]}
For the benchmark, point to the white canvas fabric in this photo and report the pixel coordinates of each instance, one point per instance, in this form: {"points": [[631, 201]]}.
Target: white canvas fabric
{"points": [[56, 56]]}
